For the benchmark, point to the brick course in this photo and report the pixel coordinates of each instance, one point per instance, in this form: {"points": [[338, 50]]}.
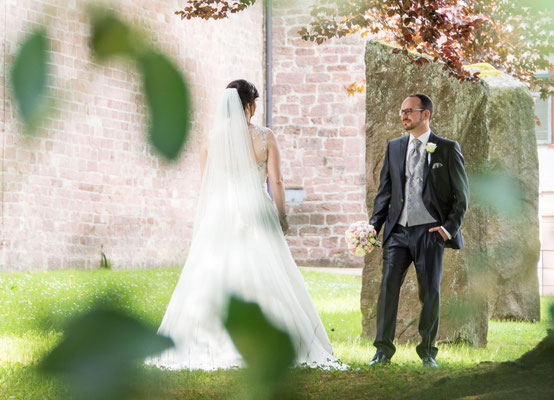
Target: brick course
{"points": [[88, 182], [324, 144]]}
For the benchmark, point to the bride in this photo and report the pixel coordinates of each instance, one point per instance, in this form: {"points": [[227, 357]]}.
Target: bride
{"points": [[238, 248]]}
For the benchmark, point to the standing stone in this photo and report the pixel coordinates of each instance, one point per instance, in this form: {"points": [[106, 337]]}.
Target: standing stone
{"points": [[513, 241], [492, 120]]}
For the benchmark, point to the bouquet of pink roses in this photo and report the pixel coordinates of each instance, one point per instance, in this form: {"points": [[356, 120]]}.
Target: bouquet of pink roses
{"points": [[361, 238]]}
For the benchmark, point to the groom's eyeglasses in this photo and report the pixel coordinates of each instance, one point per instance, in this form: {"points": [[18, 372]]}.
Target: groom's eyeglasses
{"points": [[409, 111]]}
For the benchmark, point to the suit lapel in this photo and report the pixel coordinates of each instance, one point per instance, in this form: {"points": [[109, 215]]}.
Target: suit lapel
{"points": [[428, 158], [403, 151]]}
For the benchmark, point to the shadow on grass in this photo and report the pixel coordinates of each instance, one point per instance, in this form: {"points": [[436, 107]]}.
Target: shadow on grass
{"points": [[20, 381], [529, 377], [510, 380]]}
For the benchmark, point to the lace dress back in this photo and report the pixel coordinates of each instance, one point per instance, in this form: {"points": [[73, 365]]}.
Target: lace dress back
{"points": [[258, 135]]}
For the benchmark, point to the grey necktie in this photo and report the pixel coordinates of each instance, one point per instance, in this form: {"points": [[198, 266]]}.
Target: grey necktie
{"points": [[414, 157], [413, 194]]}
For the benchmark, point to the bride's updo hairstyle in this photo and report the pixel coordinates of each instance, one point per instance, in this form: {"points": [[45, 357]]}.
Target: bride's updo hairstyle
{"points": [[247, 91]]}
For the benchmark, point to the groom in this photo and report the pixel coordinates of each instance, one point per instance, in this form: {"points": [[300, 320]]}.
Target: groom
{"points": [[422, 198]]}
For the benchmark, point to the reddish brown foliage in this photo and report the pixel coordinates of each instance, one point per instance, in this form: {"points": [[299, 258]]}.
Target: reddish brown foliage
{"points": [[512, 38], [213, 9]]}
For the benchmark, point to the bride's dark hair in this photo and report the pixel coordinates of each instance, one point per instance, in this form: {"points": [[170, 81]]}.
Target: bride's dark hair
{"points": [[247, 91]]}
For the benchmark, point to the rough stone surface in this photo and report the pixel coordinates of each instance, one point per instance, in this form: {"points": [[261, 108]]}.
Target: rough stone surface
{"points": [[488, 120], [513, 242]]}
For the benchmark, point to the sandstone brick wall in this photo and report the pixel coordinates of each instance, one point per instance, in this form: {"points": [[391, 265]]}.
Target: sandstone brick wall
{"points": [[546, 214], [88, 180], [321, 134], [546, 218]]}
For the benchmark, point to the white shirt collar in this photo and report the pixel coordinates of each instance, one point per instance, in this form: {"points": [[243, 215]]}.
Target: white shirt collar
{"points": [[423, 138]]}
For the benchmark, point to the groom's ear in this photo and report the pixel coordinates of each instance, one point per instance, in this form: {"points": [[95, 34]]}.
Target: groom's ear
{"points": [[427, 114]]}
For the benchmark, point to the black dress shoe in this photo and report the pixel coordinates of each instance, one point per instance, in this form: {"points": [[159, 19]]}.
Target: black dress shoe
{"points": [[379, 359], [429, 362]]}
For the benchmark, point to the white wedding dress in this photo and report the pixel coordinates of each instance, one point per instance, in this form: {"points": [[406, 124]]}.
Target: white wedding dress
{"points": [[238, 248]]}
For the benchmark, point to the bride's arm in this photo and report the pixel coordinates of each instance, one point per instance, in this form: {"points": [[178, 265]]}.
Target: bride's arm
{"points": [[276, 178]]}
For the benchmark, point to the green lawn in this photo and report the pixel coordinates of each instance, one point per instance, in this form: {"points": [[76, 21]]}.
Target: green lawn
{"points": [[34, 306]]}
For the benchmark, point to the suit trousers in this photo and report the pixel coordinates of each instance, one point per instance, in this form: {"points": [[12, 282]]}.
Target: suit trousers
{"points": [[425, 249]]}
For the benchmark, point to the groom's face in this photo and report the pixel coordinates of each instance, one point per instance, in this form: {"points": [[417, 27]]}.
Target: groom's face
{"points": [[414, 119]]}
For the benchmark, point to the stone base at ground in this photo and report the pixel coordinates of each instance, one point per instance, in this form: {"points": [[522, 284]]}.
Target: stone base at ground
{"points": [[495, 275]]}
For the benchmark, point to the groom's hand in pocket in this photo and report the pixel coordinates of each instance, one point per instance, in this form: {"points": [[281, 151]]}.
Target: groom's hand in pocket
{"points": [[440, 231]]}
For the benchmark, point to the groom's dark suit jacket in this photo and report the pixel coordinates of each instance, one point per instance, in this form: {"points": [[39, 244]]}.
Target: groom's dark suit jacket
{"points": [[445, 187]]}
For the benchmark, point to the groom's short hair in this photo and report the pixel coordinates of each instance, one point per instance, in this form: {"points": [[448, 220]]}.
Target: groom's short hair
{"points": [[426, 102]]}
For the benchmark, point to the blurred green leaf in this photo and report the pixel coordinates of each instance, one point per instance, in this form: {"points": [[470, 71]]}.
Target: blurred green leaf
{"points": [[29, 78], [267, 351], [497, 190], [461, 310], [169, 102], [167, 95], [112, 37], [98, 351]]}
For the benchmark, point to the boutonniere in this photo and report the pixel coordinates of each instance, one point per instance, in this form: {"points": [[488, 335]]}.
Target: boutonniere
{"points": [[431, 147]]}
